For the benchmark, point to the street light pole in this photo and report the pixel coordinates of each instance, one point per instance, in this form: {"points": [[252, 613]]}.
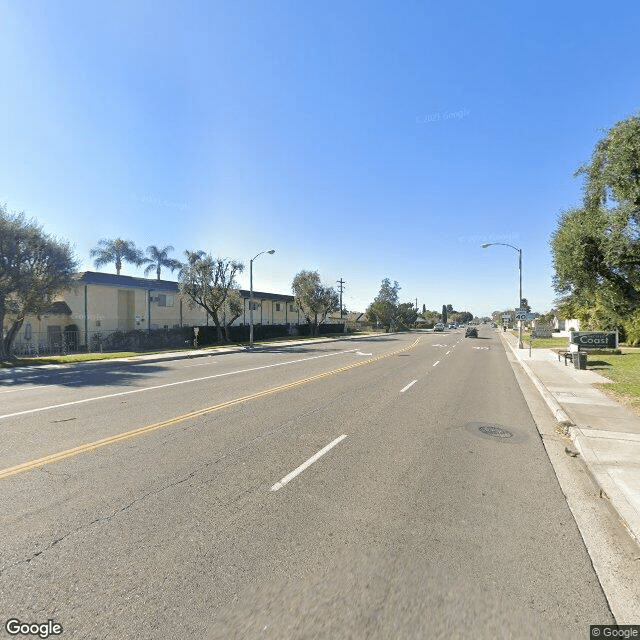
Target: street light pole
{"points": [[489, 244], [271, 251]]}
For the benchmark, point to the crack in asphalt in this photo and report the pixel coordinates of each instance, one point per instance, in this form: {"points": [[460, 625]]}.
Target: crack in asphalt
{"points": [[200, 468]]}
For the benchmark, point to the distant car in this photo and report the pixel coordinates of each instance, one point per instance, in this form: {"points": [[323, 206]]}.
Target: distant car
{"points": [[471, 332], [438, 326], [453, 325]]}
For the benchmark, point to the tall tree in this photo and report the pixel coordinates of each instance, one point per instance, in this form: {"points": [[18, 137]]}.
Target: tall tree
{"points": [[614, 170], [211, 284], [34, 268], [116, 251], [596, 247], [384, 308], [597, 251], [159, 258], [192, 257], [314, 299]]}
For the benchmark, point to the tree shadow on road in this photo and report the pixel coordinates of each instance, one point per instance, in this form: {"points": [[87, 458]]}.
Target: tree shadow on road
{"points": [[102, 375]]}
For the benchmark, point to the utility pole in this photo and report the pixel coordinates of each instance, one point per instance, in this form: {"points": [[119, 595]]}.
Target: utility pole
{"points": [[341, 282]]}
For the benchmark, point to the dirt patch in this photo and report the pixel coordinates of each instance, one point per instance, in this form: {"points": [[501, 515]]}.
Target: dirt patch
{"points": [[630, 402]]}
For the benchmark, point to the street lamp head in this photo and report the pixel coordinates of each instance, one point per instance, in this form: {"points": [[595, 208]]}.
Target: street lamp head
{"points": [[271, 251], [484, 246]]}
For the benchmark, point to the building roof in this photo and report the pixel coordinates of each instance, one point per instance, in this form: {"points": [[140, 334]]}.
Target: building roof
{"points": [[111, 279], [261, 295], [60, 308], [153, 284]]}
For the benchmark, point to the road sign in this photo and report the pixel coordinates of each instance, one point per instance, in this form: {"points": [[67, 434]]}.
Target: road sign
{"points": [[521, 315], [506, 318]]}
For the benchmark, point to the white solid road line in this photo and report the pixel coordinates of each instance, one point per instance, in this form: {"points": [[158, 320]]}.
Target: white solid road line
{"points": [[40, 386], [163, 386], [308, 463], [408, 386], [436, 362]]}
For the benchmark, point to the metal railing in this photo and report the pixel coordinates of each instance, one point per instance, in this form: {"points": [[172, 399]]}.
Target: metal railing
{"points": [[57, 343]]}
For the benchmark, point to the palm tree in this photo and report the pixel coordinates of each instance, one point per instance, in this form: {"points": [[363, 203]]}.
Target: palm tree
{"points": [[159, 258], [108, 251]]}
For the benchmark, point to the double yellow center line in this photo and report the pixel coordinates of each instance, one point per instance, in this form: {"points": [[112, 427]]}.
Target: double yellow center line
{"points": [[134, 433]]}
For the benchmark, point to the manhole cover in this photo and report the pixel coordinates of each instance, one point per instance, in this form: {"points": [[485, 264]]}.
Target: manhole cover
{"points": [[497, 432]]}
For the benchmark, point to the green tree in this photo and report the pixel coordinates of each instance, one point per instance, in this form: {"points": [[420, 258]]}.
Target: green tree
{"points": [[314, 299], [34, 269], [384, 308], [614, 170], [596, 247], [211, 284], [405, 314], [596, 251], [159, 258], [116, 251]]}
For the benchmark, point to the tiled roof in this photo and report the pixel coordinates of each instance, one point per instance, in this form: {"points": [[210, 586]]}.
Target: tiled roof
{"points": [[113, 280]]}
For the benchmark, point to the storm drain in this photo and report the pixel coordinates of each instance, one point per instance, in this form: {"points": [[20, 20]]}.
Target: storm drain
{"points": [[496, 432]]}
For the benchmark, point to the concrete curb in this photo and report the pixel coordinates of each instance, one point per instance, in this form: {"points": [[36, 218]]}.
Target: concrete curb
{"points": [[607, 484], [181, 355], [625, 511], [558, 412]]}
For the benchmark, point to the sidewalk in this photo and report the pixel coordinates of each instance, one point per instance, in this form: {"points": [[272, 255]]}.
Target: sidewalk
{"points": [[605, 433], [184, 354]]}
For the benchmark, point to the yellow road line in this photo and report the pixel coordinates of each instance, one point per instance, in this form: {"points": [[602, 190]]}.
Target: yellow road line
{"points": [[134, 433]]}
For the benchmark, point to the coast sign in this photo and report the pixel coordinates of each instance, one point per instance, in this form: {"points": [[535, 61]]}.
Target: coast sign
{"points": [[595, 339]]}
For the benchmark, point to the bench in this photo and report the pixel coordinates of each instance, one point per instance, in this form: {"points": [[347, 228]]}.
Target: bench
{"points": [[568, 353]]}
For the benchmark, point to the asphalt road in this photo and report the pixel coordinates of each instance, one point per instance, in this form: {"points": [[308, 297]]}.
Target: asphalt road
{"points": [[394, 487]]}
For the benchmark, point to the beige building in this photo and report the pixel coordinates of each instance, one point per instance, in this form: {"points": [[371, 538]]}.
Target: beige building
{"points": [[101, 303]]}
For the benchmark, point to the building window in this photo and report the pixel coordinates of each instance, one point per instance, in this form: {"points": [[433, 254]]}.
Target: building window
{"points": [[253, 306], [292, 307], [277, 306]]}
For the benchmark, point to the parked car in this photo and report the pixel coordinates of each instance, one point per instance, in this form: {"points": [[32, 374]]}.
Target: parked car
{"points": [[471, 332], [438, 326]]}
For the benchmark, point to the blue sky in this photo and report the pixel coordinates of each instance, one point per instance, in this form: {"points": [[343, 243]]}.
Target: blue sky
{"points": [[361, 139]]}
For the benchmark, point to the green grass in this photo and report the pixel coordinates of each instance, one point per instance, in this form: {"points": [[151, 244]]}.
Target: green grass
{"points": [[544, 343], [622, 369], [90, 357], [76, 357], [624, 372]]}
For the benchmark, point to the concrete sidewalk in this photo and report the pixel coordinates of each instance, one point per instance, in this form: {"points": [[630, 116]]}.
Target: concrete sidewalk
{"points": [[9, 372], [604, 432]]}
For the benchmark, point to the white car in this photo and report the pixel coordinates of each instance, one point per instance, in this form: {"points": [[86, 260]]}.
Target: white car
{"points": [[438, 326]]}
